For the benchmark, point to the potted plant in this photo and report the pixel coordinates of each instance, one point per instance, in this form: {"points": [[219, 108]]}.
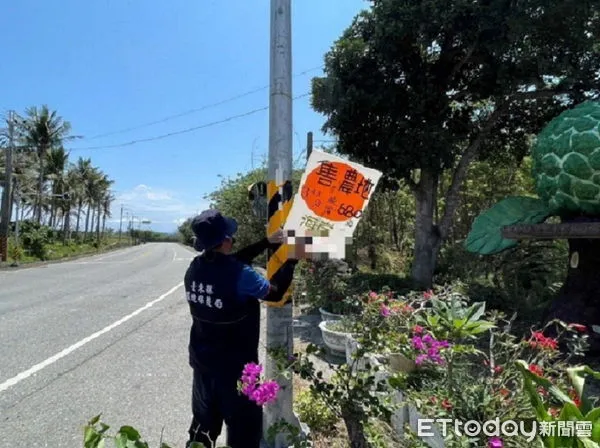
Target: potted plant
{"points": [[327, 289], [389, 332], [335, 333]]}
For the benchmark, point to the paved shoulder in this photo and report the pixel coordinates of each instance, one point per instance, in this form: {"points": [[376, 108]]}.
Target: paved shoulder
{"points": [[107, 334]]}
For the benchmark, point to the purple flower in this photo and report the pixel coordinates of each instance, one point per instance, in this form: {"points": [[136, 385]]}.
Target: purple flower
{"points": [[384, 310], [432, 351], [428, 339], [417, 343], [252, 369], [247, 389], [419, 359], [265, 393], [495, 442]]}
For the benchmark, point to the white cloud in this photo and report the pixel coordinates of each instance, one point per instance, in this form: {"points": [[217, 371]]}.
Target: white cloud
{"points": [[166, 209]]}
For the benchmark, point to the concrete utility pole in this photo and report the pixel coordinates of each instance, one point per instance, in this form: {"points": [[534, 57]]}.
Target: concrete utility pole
{"points": [[6, 197], [121, 223], [279, 332]]}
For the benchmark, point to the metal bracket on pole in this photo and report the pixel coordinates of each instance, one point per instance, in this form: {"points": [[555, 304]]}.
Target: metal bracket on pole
{"points": [[257, 195]]}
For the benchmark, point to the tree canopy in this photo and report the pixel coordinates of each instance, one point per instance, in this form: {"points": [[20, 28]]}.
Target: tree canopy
{"points": [[414, 88]]}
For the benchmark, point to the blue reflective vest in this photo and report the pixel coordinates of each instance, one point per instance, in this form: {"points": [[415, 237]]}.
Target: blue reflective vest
{"points": [[225, 327]]}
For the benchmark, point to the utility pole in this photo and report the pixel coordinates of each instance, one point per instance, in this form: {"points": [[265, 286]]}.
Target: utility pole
{"points": [[279, 332], [17, 211], [131, 229], [6, 197], [309, 145], [121, 223]]}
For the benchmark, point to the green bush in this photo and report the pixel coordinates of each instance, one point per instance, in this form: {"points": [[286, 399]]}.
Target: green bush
{"points": [[362, 282], [35, 237], [313, 411], [327, 287], [523, 279], [15, 252]]}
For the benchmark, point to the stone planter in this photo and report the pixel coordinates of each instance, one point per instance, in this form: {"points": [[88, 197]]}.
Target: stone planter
{"points": [[334, 340], [326, 315], [400, 363]]}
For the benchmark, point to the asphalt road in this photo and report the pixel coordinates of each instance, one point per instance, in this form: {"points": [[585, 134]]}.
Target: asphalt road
{"points": [[106, 334]]}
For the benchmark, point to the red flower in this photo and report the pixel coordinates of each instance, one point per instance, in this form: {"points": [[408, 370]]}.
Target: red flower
{"points": [[553, 412], [498, 369], [573, 395], [538, 340], [537, 370], [543, 392], [504, 392], [428, 294], [578, 327], [446, 404], [417, 329]]}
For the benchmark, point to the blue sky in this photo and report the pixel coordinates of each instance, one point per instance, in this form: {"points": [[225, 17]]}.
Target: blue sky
{"points": [[111, 65]]}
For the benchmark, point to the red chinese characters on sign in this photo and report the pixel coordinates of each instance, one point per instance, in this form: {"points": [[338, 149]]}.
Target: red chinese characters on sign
{"points": [[336, 191]]}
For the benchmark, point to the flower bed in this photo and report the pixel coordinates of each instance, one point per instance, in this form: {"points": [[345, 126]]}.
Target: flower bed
{"points": [[451, 342]]}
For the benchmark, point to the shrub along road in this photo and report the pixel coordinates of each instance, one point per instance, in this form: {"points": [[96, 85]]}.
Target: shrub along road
{"points": [[105, 334]]}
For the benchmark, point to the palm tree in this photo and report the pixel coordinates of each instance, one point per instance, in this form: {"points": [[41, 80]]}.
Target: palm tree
{"points": [[43, 130], [92, 180], [73, 186], [99, 194], [83, 169], [56, 163], [108, 200]]}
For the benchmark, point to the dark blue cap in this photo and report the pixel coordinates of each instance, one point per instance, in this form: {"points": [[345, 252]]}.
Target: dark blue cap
{"points": [[211, 228]]}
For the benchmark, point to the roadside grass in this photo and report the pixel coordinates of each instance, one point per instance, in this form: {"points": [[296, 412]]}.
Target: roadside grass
{"points": [[56, 250]]}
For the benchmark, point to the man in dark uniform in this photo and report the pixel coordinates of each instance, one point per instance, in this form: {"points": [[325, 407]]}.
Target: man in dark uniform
{"points": [[223, 292]]}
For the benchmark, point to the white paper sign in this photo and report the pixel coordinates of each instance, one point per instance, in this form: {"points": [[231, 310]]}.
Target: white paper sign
{"points": [[334, 194]]}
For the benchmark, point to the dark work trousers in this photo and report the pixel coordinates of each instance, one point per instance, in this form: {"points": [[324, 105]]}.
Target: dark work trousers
{"points": [[215, 399]]}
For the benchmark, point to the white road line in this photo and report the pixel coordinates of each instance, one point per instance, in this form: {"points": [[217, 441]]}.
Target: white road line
{"points": [[174, 255], [27, 373]]}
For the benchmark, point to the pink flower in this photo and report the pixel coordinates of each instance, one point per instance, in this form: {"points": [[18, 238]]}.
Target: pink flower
{"points": [[251, 386], [495, 442], [420, 359], [417, 343], [384, 310], [251, 373], [252, 369], [428, 294], [265, 393], [417, 329], [373, 295]]}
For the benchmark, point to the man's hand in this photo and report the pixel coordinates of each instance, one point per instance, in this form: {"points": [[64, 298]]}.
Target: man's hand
{"points": [[277, 237]]}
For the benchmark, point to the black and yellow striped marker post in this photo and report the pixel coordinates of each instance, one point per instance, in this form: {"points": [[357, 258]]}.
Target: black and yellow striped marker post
{"points": [[280, 198]]}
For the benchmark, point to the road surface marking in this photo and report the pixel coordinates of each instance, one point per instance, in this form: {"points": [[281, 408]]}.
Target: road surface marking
{"points": [[27, 373]]}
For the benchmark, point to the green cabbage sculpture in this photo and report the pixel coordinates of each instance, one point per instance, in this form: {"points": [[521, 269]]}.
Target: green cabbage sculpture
{"points": [[566, 169]]}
